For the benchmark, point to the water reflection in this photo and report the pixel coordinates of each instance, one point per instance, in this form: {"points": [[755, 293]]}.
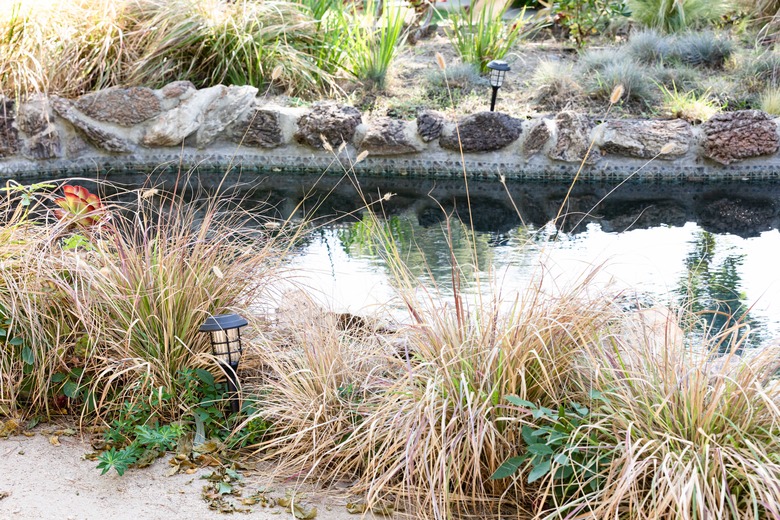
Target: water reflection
{"points": [[727, 280], [430, 252], [712, 289]]}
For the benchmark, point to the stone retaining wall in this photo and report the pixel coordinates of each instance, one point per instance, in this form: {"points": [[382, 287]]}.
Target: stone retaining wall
{"points": [[132, 129]]}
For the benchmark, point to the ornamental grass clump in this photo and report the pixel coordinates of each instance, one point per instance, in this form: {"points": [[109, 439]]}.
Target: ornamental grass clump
{"points": [[373, 43], [693, 434], [418, 418], [676, 15], [67, 48], [108, 302], [210, 42]]}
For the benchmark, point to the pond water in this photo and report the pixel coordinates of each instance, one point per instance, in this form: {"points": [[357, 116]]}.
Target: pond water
{"points": [[717, 274], [712, 247]]}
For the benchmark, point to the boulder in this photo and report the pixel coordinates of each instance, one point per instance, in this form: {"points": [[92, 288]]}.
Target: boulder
{"points": [[387, 136], [645, 139], [429, 125], [172, 127], [265, 126], [336, 123], [231, 103], [734, 136], [9, 140], [483, 132], [177, 90], [99, 136], [121, 106], [36, 121], [573, 139], [538, 135]]}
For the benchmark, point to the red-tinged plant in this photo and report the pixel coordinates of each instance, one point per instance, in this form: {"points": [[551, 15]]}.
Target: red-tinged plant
{"points": [[79, 205]]}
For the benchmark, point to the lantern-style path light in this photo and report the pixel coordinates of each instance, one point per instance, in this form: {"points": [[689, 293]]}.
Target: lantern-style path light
{"points": [[498, 69], [225, 334]]}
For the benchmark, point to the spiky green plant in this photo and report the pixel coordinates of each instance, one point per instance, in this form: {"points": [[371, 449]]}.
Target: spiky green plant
{"points": [[480, 34], [689, 104], [373, 43]]}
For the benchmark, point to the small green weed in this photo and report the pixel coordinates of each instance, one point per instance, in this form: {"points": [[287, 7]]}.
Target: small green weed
{"points": [[134, 435], [559, 446], [582, 19], [694, 108]]}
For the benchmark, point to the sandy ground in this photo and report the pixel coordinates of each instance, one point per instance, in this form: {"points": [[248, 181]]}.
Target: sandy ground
{"points": [[39, 481]]}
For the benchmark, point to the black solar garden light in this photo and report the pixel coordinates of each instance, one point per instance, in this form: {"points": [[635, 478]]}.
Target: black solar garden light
{"points": [[225, 334], [498, 69]]}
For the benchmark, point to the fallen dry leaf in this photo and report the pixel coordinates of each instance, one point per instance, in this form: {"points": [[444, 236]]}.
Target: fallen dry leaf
{"points": [[356, 508], [54, 440]]}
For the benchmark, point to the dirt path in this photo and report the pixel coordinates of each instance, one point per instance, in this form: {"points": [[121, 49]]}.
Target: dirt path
{"points": [[40, 481]]}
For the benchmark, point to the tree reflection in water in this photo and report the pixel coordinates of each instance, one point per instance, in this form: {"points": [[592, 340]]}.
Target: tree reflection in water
{"points": [[712, 289], [426, 251]]}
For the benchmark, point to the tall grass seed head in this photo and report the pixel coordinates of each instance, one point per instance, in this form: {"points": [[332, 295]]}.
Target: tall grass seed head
{"points": [[440, 61], [617, 93]]}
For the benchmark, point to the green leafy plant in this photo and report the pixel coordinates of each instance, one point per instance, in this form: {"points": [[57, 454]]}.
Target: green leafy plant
{"points": [[560, 448], [135, 434], [480, 35], [373, 43], [118, 460], [584, 18]]}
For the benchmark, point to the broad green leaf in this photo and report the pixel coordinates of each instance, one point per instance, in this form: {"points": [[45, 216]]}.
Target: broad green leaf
{"points": [[70, 389], [563, 473], [28, 356], [223, 488], [582, 410], [15, 341], [556, 437], [562, 459], [528, 435], [540, 449], [539, 471], [205, 376], [520, 402], [509, 467]]}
